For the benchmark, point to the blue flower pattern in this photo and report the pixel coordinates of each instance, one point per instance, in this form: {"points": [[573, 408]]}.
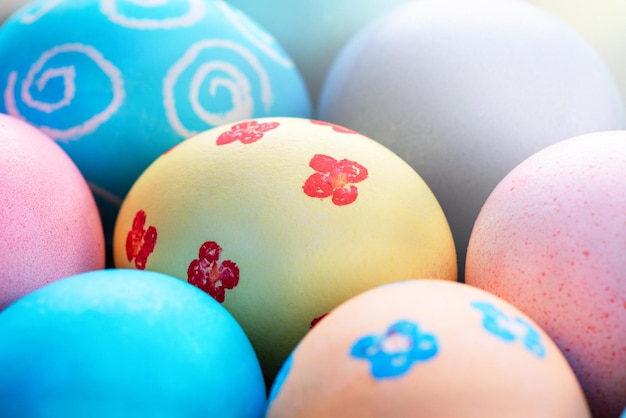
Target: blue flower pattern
{"points": [[510, 329], [394, 353]]}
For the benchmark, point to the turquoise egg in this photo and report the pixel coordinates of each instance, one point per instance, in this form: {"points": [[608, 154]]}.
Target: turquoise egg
{"points": [[329, 24], [122, 343], [118, 82]]}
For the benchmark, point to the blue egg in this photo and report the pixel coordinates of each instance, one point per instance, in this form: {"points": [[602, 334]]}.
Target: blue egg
{"points": [[329, 24], [125, 343], [118, 82]]}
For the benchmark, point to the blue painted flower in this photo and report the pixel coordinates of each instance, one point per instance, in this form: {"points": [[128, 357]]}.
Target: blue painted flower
{"points": [[393, 353], [532, 339], [510, 329]]}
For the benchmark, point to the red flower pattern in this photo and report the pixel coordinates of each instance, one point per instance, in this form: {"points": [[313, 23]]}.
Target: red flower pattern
{"points": [[336, 128], [208, 274], [315, 321], [334, 178], [140, 241], [246, 132]]}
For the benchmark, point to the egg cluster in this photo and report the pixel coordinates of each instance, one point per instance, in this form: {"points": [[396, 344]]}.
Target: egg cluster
{"points": [[278, 209]]}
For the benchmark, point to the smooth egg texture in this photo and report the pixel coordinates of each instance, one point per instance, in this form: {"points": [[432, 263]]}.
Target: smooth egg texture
{"points": [[125, 343], [551, 239], [282, 219], [466, 90], [50, 227], [424, 348]]}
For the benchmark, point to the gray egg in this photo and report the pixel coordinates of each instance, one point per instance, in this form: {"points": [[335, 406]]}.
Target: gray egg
{"points": [[464, 90]]}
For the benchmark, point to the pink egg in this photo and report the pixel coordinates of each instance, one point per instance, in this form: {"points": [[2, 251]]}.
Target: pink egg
{"points": [[50, 227], [551, 240]]}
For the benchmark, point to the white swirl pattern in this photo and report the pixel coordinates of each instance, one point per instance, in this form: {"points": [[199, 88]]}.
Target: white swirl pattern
{"points": [[39, 11], [105, 195], [262, 40], [229, 77], [194, 14], [38, 77]]}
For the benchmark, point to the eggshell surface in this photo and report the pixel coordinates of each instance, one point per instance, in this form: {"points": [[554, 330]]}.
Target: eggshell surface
{"points": [[424, 348], [118, 82], [551, 239], [125, 343], [281, 219], [50, 227], [466, 90]]}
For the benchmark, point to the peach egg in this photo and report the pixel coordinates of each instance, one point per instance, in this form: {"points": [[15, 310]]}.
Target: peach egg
{"points": [[282, 219], [551, 239], [50, 227], [425, 348]]}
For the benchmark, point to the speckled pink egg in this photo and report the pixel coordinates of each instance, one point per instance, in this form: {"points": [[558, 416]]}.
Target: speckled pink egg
{"points": [[551, 240], [50, 227]]}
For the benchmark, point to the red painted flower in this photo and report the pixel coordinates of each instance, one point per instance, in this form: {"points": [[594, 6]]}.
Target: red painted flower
{"points": [[336, 128], [140, 242], [246, 132], [315, 321], [207, 273], [334, 178]]}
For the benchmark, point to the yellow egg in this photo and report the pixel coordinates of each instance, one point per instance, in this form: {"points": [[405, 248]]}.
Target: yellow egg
{"points": [[425, 348], [282, 219]]}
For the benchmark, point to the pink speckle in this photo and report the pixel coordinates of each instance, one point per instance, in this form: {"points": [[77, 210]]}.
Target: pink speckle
{"points": [[50, 224]]}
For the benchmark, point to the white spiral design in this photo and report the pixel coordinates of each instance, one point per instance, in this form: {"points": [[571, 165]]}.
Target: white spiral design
{"points": [[195, 12], [105, 195], [219, 74], [38, 11], [39, 76], [259, 38]]}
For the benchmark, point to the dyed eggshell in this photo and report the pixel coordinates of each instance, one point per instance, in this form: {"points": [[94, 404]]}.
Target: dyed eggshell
{"points": [[117, 83], [282, 219], [424, 348], [466, 90], [329, 25], [50, 227], [551, 239], [125, 343]]}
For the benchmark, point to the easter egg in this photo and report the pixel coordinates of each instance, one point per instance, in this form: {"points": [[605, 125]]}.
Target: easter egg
{"points": [[118, 82], [329, 25], [50, 227], [125, 343], [602, 23], [466, 90], [281, 219], [424, 348], [551, 239]]}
